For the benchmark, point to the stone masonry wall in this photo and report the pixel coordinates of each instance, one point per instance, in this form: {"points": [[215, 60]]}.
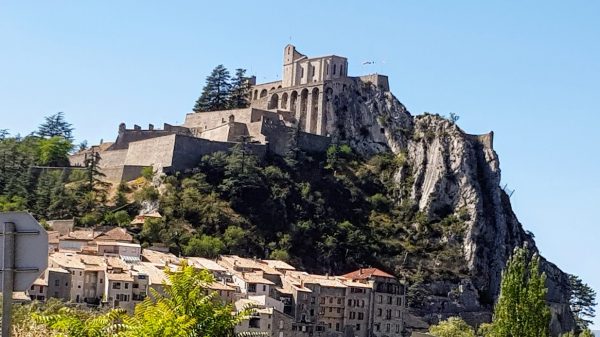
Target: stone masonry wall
{"points": [[156, 152]]}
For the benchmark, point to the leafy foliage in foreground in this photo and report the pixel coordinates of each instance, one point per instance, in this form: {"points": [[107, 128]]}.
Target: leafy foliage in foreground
{"points": [[186, 309]]}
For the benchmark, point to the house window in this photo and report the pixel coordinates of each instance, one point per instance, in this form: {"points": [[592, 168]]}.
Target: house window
{"points": [[387, 328], [380, 299], [334, 67], [126, 285], [280, 324], [379, 312], [116, 285], [322, 300], [302, 72], [339, 301], [251, 287], [56, 283], [357, 327], [361, 316], [264, 287], [399, 301], [389, 300], [339, 310], [254, 323], [312, 300], [349, 302], [331, 300], [312, 312], [337, 326], [397, 328]]}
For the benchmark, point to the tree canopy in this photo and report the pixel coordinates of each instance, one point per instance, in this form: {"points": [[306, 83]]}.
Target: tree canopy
{"points": [[521, 309], [216, 92], [56, 126], [583, 302]]}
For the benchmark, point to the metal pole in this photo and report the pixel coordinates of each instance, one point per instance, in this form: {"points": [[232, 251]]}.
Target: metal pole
{"points": [[8, 229]]}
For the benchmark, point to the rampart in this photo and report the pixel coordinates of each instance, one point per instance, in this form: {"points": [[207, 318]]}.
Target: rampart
{"points": [[127, 136], [487, 140], [381, 81]]}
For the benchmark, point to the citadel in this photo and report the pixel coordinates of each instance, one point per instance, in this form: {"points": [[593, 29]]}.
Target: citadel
{"points": [[297, 109]]}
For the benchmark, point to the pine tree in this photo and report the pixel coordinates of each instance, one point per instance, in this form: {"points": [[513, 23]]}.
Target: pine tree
{"points": [[582, 301], [56, 125], [521, 310], [240, 87], [215, 94]]}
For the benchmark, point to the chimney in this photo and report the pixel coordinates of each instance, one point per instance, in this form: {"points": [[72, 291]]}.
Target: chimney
{"points": [[360, 271]]}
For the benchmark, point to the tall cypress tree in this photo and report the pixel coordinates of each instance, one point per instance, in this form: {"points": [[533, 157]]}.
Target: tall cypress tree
{"points": [[240, 87], [215, 94], [521, 310]]}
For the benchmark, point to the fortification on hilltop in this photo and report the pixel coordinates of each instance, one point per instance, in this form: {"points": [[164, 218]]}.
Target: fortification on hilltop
{"points": [[295, 109]]}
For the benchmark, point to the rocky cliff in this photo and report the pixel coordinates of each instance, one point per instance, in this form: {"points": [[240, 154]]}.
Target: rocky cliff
{"points": [[448, 171]]}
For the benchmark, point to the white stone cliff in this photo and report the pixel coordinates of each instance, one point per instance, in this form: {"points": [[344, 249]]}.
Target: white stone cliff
{"points": [[450, 171]]}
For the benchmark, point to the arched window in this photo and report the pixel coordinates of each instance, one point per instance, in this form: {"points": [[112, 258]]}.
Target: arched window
{"points": [[327, 68], [334, 66], [263, 93], [301, 72], [342, 69]]}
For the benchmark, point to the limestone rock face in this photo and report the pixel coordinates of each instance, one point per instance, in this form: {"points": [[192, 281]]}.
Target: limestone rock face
{"points": [[451, 171]]}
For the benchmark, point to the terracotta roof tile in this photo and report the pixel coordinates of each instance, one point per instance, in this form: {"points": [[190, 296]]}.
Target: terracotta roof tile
{"points": [[365, 273], [115, 234]]}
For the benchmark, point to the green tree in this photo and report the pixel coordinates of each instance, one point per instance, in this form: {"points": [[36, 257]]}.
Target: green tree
{"points": [[56, 126], [205, 246], [582, 301], [240, 88], [186, 309], [235, 238], [120, 198], [215, 94], [69, 323], [521, 310], [586, 333], [452, 327], [54, 151], [122, 218], [151, 229]]}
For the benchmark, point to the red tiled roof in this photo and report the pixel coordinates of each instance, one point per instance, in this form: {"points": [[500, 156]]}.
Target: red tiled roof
{"points": [[365, 273], [115, 234]]}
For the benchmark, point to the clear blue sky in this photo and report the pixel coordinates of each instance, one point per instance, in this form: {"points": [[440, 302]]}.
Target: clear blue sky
{"points": [[529, 70]]}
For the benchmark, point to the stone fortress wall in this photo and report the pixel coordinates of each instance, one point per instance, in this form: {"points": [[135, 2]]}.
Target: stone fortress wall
{"points": [[296, 109]]}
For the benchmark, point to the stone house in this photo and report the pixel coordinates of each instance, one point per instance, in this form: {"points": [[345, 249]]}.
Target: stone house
{"points": [[387, 301]]}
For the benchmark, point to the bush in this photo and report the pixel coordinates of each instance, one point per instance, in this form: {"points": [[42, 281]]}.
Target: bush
{"points": [[452, 327]]}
